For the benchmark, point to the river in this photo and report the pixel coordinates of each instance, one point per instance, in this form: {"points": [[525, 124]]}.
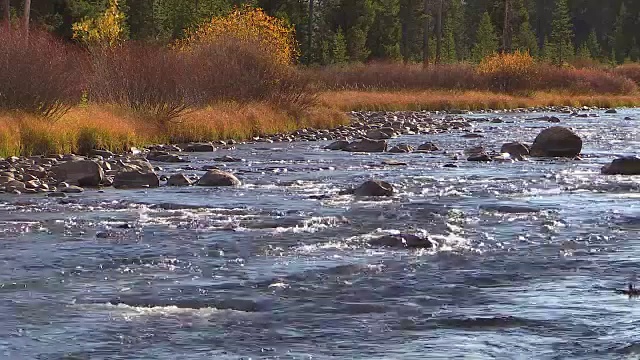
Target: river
{"points": [[529, 254]]}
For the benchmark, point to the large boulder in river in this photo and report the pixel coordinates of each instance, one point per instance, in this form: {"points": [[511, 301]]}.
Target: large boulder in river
{"points": [[219, 178], [135, 179], [366, 145], [374, 188], [628, 165], [79, 172], [556, 141], [515, 149]]}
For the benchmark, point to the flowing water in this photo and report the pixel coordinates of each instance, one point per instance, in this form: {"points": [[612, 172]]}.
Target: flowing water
{"points": [[529, 254]]}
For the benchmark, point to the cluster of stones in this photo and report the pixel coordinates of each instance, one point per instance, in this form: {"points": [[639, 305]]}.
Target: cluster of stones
{"points": [[62, 174]]}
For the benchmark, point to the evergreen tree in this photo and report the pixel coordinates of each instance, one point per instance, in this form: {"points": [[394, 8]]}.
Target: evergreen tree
{"points": [[448, 41], [583, 52], [619, 43], [594, 45], [355, 17], [410, 16], [634, 54], [486, 39], [525, 39], [339, 48], [561, 45], [457, 23], [384, 35]]}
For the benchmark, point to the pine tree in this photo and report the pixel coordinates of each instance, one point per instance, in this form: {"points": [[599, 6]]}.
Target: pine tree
{"points": [[619, 43], [634, 54], [525, 39], [384, 34], [448, 41], [486, 39], [459, 29], [594, 45], [339, 48], [560, 44], [583, 52]]}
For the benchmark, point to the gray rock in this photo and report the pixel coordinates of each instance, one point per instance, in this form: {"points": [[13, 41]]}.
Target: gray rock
{"points": [[133, 179], [428, 146], [179, 180], [337, 145], [381, 134], [71, 189], [611, 111], [629, 165], [472, 136], [104, 153], [401, 148], [199, 147], [366, 145], [79, 172], [162, 156], [556, 141], [218, 178], [227, 158], [374, 188], [408, 241], [481, 157], [517, 150]]}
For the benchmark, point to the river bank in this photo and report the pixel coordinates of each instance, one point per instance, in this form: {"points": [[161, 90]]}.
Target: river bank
{"points": [[89, 127]]}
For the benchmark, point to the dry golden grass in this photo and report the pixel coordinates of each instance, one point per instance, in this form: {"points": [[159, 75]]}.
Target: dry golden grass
{"points": [[465, 100], [104, 127]]}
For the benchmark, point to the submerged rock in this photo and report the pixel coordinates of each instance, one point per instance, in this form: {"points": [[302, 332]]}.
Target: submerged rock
{"points": [[409, 241], [366, 145], [163, 156], [556, 141], [79, 172], [611, 111], [337, 145], [428, 146], [628, 165], [219, 178], [374, 188]]}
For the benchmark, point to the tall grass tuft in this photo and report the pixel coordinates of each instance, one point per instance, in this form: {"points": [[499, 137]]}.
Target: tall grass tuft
{"points": [[39, 74]]}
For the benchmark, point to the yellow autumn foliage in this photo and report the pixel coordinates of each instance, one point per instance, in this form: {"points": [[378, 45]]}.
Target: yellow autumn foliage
{"points": [[248, 24], [508, 71], [106, 30]]}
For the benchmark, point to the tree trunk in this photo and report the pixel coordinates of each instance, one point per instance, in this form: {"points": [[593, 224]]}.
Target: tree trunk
{"points": [[425, 34], [27, 13], [439, 34], [310, 34], [6, 13], [506, 31]]}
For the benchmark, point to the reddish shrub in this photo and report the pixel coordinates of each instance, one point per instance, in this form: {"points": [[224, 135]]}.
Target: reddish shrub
{"points": [[230, 69], [40, 75], [630, 71], [582, 81], [152, 81]]}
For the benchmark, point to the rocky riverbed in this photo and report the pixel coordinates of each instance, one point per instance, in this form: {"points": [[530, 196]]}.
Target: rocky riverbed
{"points": [[499, 234]]}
